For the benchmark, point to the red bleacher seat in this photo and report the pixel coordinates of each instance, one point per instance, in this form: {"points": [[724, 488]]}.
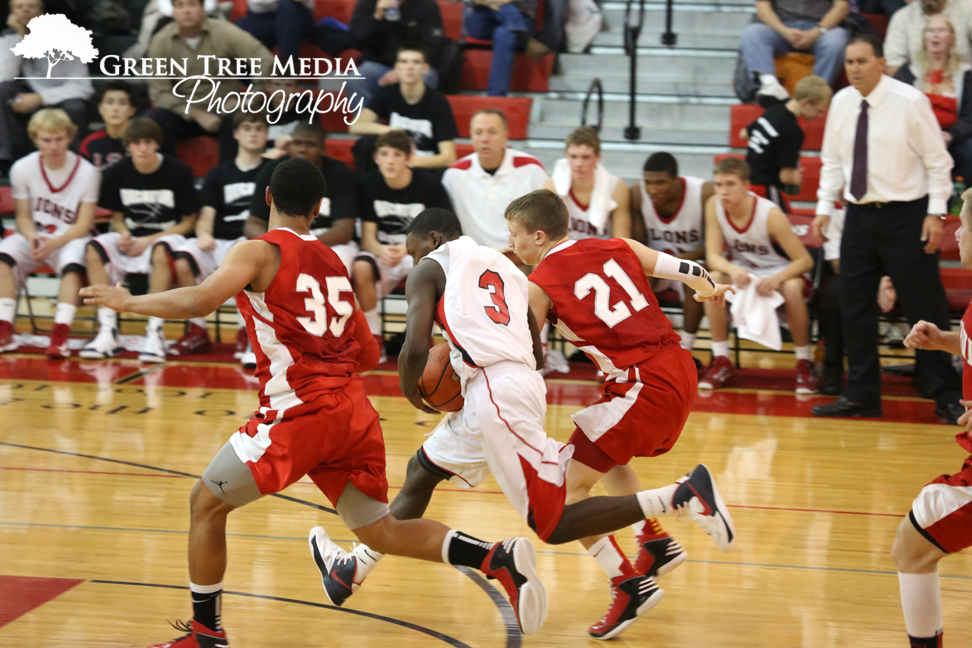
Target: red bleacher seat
{"points": [[516, 109], [452, 19], [527, 75], [958, 287], [879, 22], [340, 149], [6, 201], [742, 115], [340, 10], [238, 11], [201, 153], [462, 150], [811, 176], [800, 222]]}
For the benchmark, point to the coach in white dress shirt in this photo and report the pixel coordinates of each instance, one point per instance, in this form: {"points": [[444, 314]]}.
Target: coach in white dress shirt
{"points": [[883, 146]]}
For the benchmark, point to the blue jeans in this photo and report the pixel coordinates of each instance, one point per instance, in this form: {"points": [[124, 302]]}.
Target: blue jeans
{"points": [[761, 45], [502, 26], [287, 27], [372, 73]]}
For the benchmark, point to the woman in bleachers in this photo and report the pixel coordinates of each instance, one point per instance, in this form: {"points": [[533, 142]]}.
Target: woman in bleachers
{"points": [[940, 73]]}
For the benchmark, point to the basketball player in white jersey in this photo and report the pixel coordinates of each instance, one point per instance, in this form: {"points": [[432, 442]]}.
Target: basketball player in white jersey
{"points": [[671, 209], [480, 299], [55, 194], [763, 248], [597, 201]]}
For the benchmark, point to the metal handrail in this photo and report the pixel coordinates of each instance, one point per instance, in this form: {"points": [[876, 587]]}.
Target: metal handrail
{"points": [[669, 38], [595, 85], [632, 32]]}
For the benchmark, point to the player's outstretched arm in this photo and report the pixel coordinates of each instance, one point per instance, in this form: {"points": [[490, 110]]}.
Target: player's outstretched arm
{"points": [[250, 263], [665, 266], [927, 336], [423, 288]]}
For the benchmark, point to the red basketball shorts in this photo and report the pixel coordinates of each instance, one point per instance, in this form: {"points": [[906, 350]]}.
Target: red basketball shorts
{"points": [[639, 415], [337, 443], [942, 512]]}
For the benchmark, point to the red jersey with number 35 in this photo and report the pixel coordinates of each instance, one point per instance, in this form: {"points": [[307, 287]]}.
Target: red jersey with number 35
{"points": [[301, 328], [602, 303]]}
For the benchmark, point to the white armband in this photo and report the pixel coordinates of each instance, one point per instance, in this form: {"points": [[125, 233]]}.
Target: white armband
{"points": [[688, 272]]}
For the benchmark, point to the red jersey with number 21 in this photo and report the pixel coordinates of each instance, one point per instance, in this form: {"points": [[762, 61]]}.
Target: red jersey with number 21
{"points": [[301, 328], [602, 303]]}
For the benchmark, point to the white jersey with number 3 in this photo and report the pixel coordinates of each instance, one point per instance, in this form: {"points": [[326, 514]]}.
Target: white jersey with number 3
{"points": [[681, 232], [751, 245], [483, 310]]}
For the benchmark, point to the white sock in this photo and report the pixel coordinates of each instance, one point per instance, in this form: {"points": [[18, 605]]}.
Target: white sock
{"points": [[8, 309], [638, 527], [154, 325], [768, 79], [609, 556], [802, 352], [65, 313], [198, 321], [688, 341], [446, 541], [657, 502], [107, 318], [720, 349], [368, 559], [921, 602], [374, 321]]}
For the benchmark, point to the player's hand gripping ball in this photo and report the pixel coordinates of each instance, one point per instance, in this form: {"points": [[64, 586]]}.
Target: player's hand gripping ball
{"points": [[439, 385]]}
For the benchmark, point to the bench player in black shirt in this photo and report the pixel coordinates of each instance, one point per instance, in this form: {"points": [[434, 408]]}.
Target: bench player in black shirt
{"points": [[390, 199], [154, 205], [334, 226], [775, 140], [104, 148], [226, 195]]}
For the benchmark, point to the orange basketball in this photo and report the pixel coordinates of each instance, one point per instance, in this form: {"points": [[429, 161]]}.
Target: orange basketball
{"points": [[439, 384]]}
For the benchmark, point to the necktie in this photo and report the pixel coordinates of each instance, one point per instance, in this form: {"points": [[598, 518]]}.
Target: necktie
{"points": [[858, 184]]}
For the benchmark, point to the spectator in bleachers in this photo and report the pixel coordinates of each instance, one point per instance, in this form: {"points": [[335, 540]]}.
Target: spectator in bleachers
{"points": [[277, 90], [104, 148], [335, 224], [775, 140], [794, 26], [226, 195], [883, 146], [668, 216], [947, 81], [510, 25], [886, 7], [484, 182], [597, 201], [154, 206], [380, 27], [55, 193], [763, 249], [283, 24], [19, 99], [410, 106], [191, 36], [156, 15], [906, 30], [390, 197]]}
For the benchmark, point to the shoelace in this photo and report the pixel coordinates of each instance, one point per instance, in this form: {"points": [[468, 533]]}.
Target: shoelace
{"points": [[182, 626]]}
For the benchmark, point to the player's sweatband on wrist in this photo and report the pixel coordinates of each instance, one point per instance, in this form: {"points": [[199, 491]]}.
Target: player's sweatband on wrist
{"points": [[688, 272]]}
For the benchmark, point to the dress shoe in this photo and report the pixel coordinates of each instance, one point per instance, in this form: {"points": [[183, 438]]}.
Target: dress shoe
{"points": [[833, 380], [844, 407], [949, 411]]}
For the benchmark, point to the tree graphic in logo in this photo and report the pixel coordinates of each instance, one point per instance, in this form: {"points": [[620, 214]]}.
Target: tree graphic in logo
{"points": [[54, 37]]}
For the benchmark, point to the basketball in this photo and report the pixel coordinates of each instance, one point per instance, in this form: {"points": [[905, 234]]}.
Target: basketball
{"points": [[439, 384]]}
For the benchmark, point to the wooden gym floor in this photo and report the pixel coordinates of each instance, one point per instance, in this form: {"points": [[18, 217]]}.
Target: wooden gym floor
{"points": [[96, 465]]}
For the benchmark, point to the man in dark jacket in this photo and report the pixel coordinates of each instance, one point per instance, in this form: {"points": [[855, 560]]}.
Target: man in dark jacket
{"points": [[380, 27]]}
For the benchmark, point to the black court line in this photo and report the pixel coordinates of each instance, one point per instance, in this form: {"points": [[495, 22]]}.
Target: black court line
{"points": [[138, 374], [512, 635], [405, 624]]}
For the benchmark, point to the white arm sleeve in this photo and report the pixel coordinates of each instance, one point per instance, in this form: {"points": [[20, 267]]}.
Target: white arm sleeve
{"points": [[688, 272]]}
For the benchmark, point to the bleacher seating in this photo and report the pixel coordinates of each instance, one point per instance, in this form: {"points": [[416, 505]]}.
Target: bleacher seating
{"points": [[200, 152], [741, 115], [528, 76], [6, 202]]}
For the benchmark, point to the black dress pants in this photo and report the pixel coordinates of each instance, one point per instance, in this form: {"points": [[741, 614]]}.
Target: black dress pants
{"points": [[887, 241]]}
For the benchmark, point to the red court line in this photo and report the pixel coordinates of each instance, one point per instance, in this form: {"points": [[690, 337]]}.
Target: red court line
{"points": [[808, 510], [90, 472]]}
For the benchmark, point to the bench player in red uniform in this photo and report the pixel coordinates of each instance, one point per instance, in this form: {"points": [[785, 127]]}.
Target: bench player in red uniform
{"points": [[597, 295], [940, 520], [310, 339], [481, 301]]}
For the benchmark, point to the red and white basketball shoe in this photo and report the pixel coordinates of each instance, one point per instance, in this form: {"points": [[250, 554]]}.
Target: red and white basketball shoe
{"points": [[6, 337], [199, 636], [719, 373], [196, 340], [658, 552], [806, 378], [632, 596], [58, 348], [513, 562]]}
